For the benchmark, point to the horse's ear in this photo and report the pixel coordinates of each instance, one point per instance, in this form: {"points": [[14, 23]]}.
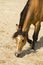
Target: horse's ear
{"points": [[17, 27]]}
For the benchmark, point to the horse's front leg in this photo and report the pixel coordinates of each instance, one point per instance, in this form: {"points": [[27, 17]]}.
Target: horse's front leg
{"points": [[36, 32]]}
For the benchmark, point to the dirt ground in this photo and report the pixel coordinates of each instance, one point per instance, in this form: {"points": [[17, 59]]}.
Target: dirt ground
{"points": [[9, 16]]}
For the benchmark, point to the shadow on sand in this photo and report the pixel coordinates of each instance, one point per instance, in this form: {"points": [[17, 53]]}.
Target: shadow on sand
{"points": [[38, 45]]}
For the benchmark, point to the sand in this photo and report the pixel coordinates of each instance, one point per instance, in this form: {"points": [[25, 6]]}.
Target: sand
{"points": [[9, 16]]}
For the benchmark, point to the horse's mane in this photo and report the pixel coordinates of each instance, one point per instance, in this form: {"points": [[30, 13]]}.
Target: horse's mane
{"points": [[23, 14]]}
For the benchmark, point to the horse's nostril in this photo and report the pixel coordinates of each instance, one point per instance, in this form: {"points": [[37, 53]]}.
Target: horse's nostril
{"points": [[17, 55]]}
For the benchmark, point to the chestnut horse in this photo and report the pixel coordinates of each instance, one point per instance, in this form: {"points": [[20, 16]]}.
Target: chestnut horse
{"points": [[31, 14]]}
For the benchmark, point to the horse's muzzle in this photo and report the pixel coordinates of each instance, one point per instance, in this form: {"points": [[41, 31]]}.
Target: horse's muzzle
{"points": [[17, 54]]}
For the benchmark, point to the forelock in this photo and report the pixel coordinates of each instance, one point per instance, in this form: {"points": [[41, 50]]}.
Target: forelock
{"points": [[19, 32]]}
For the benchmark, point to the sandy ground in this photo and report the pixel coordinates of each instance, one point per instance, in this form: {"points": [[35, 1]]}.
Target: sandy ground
{"points": [[9, 16]]}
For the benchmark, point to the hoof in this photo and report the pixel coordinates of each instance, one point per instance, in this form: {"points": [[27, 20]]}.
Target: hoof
{"points": [[33, 45], [33, 49]]}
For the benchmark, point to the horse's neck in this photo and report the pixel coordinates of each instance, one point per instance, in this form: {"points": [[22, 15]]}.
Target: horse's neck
{"points": [[27, 21], [26, 27]]}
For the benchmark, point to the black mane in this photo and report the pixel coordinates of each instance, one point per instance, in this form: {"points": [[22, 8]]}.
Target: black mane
{"points": [[19, 32], [23, 14]]}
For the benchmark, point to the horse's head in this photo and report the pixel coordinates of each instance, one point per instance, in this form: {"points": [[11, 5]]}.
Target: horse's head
{"points": [[20, 38]]}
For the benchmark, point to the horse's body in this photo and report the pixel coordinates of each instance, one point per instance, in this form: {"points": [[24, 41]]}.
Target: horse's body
{"points": [[31, 14]]}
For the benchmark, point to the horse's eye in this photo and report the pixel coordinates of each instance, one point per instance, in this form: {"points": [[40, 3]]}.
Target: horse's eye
{"points": [[22, 40]]}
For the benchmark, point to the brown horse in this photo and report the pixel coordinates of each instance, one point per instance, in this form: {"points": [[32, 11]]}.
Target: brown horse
{"points": [[31, 14]]}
